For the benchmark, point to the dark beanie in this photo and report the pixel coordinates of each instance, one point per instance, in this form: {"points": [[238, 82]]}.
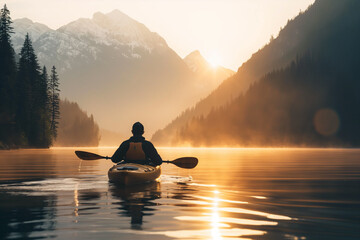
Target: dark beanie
{"points": [[138, 128]]}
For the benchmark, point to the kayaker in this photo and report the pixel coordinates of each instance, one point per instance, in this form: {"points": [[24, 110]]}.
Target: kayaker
{"points": [[137, 149]]}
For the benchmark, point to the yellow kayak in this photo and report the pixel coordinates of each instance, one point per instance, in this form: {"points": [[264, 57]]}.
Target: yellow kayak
{"points": [[132, 173]]}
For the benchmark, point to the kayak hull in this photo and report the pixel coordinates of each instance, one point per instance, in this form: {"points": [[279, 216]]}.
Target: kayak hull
{"points": [[132, 173]]}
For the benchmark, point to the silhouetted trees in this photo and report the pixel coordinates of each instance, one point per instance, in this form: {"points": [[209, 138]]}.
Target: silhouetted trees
{"points": [[314, 101], [29, 102], [329, 26], [306, 91], [54, 104], [76, 128], [32, 101], [7, 81]]}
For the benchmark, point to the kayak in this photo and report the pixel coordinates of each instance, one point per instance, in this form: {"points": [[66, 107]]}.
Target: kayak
{"points": [[132, 173]]}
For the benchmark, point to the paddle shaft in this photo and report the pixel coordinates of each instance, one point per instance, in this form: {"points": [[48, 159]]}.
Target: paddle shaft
{"points": [[184, 162]]}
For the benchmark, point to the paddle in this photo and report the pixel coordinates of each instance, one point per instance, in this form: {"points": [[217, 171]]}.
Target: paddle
{"points": [[89, 156], [184, 162]]}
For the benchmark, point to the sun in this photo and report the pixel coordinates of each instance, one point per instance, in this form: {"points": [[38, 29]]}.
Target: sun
{"points": [[214, 60]]}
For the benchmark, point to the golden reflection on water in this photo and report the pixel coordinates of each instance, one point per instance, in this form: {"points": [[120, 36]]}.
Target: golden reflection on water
{"points": [[231, 194], [258, 213], [220, 227], [76, 200], [219, 199], [215, 218]]}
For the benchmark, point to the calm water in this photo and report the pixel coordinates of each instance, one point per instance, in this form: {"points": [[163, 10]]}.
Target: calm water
{"points": [[231, 194]]}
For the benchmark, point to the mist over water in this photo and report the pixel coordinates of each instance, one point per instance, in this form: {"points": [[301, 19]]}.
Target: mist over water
{"points": [[231, 194]]}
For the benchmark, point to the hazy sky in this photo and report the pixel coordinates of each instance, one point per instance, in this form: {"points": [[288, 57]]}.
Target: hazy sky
{"points": [[226, 31]]}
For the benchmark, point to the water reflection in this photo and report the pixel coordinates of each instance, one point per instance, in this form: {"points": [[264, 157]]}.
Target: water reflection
{"points": [[136, 201], [249, 194], [216, 226], [25, 217]]}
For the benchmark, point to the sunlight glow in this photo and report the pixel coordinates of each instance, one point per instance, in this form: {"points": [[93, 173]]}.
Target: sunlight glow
{"points": [[259, 197], [208, 217], [220, 200], [214, 59], [215, 219], [198, 234], [76, 200], [258, 213]]}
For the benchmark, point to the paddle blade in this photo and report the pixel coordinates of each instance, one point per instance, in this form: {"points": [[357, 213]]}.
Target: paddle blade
{"points": [[87, 155], [186, 162]]}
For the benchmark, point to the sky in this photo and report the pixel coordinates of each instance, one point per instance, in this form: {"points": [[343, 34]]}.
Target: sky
{"points": [[226, 32]]}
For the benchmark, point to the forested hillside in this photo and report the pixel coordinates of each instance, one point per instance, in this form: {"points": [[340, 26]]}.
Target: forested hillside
{"points": [[309, 103], [312, 101], [308, 31], [76, 128]]}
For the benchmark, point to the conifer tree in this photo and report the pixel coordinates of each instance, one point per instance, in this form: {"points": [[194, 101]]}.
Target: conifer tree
{"points": [[7, 80], [45, 136], [45, 77], [30, 88], [54, 102]]}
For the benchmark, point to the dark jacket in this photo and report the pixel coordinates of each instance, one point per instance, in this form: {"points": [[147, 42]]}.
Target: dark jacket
{"points": [[152, 156]]}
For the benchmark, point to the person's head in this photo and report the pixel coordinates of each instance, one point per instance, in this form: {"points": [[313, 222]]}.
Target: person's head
{"points": [[137, 129]]}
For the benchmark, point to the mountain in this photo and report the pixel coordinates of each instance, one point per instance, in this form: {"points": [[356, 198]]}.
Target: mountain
{"points": [[205, 72], [23, 26], [85, 38], [117, 69], [267, 114]]}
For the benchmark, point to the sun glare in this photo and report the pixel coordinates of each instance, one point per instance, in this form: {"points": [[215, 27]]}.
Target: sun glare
{"points": [[214, 60]]}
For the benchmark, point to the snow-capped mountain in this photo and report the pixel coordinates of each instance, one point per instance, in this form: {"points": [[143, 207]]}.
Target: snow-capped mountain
{"points": [[114, 28], [83, 39], [115, 68], [23, 26]]}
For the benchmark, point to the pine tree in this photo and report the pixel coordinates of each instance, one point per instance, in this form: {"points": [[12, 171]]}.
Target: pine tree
{"points": [[30, 90], [54, 102], [45, 136], [7, 80]]}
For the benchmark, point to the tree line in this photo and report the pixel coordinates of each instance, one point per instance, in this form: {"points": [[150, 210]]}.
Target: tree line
{"points": [[29, 96], [311, 102], [76, 128], [310, 97]]}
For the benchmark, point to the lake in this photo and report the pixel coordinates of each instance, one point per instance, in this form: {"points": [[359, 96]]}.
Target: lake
{"points": [[232, 194]]}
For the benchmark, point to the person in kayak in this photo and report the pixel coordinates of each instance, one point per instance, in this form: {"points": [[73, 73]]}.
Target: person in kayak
{"points": [[137, 149]]}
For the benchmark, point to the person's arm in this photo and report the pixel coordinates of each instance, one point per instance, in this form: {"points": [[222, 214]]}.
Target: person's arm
{"points": [[151, 152], [120, 152]]}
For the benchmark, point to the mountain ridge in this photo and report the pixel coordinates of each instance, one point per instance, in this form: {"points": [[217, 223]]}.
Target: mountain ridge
{"points": [[110, 72], [326, 32], [289, 43]]}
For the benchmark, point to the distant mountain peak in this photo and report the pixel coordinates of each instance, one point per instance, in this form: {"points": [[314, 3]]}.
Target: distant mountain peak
{"points": [[26, 22], [23, 26], [195, 61], [114, 28], [194, 53], [114, 16], [119, 23]]}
